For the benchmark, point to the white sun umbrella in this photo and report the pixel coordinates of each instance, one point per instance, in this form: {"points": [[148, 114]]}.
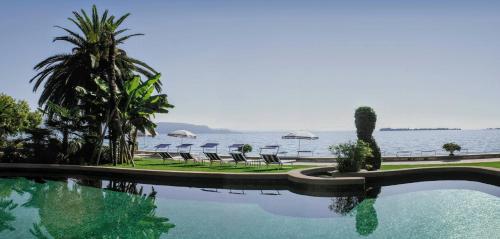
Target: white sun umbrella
{"points": [[300, 135], [183, 134]]}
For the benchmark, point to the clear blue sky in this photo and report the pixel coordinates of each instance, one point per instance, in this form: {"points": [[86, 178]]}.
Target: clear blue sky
{"points": [[269, 65]]}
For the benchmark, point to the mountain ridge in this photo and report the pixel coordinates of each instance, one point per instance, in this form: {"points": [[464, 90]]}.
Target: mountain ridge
{"points": [[167, 127]]}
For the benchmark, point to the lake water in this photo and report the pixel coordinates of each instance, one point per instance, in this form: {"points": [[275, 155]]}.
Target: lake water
{"points": [[390, 142], [93, 208]]}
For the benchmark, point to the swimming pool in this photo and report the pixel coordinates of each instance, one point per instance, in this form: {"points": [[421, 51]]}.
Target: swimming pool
{"points": [[62, 207]]}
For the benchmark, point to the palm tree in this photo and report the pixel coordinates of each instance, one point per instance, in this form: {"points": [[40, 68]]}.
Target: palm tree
{"points": [[139, 106], [95, 55], [62, 73], [136, 108]]}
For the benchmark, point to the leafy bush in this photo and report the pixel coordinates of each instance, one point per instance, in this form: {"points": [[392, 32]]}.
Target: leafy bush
{"points": [[452, 147], [365, 120], [12, 152], [16, 117], [246, 148], [351, 156]]}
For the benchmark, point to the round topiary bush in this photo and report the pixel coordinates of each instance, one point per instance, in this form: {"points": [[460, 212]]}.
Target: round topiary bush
{"points": [[451, 148], [246, 148], [365, 119]]}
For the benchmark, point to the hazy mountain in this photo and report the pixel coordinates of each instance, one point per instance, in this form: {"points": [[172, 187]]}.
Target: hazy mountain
{"points": [[166, 127]]}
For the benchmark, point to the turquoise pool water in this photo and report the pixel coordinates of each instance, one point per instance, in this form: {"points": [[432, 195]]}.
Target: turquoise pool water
{"points": [[77, 208]]}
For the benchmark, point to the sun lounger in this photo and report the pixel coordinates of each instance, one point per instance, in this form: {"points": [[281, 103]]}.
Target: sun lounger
{"points": [[184, 151], [210, 151], [240, 157], [164, 154], [187, 157], [162, 146], [272, 157]]}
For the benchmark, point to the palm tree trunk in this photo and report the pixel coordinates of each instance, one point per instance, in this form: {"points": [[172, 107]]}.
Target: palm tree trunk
{"points": [[115, 123], [101, 140], [134, 143], [65, 143]]}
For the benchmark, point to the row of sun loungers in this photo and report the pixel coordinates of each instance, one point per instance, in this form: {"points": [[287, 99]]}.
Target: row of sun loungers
{"points": [[268, 154]]}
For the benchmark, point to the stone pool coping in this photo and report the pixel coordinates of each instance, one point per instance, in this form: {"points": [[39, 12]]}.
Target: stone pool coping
{"points": [[306, 177], [131, 172]]}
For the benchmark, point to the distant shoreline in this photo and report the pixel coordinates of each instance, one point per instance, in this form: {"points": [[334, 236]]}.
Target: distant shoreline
{"points": [[417, 129]]}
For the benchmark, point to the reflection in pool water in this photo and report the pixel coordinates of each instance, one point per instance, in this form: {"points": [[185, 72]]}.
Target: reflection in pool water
{"points": [[78, 208], [70, 210], [362, 206]]}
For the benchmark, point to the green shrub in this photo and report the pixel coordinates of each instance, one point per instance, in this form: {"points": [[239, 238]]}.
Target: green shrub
{"points": [[451, 148], [351, 156], [365, 119], [16, 117], [106, 155], [246, 148], [12, 152]]}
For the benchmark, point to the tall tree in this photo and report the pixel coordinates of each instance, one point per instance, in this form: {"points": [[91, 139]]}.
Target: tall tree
{"points": [[95, 57], [15, 116], [139, 105], [62, 73]]}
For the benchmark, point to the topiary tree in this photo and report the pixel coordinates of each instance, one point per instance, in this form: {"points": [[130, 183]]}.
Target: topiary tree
{"points": [[365, 120], [246, 148], [451, 148]]}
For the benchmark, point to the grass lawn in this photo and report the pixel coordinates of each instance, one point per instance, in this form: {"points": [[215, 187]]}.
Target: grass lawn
{"points": [[402, 166], [176, 165]]}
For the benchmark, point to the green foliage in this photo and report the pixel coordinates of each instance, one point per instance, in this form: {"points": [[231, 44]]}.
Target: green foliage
{"points": [[344, 205], [97, 90], [12, 151], [16, 117], [246, 148], [374, 162], [6, 216], [365, 120], [105, 158], [366, 217], [76, 211], [451, 148], [351, 156], [61, 74], [42, 146], [139, 105]]}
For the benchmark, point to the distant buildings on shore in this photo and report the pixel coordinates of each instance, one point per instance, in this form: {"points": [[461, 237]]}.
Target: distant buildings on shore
{"points": [[417, 129]]}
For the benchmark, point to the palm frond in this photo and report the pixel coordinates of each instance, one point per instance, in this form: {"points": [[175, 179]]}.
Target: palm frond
{"points": [[121, 19], [70, 39], [124, 38], [72, 33]]}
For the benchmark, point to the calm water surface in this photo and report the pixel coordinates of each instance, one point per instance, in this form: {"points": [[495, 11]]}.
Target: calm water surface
{"points": [[391, 142], [77, 208]]}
